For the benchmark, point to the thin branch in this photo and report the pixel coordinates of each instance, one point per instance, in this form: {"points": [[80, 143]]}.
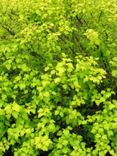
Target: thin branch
{"points": [[8, 30]]}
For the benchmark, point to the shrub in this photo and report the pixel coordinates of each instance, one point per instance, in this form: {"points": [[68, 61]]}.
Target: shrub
{"points": [[61, 111], [58, 78]]}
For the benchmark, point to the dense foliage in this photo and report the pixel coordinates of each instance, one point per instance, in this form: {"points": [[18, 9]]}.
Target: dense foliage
{"points": [[58, 77]]}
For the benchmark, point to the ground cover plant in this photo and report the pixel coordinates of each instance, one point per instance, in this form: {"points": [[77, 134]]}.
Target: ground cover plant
{"points": [[58, 78]]}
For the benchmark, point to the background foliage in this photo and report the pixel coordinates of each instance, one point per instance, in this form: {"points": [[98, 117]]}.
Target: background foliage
{"points": [[58, 77]]}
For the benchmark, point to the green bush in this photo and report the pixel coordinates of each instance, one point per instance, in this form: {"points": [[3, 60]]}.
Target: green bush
{"points": [[58, 74]]}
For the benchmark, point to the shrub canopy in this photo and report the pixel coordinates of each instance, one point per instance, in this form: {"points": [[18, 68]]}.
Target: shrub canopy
{"points": [[58, 77]]}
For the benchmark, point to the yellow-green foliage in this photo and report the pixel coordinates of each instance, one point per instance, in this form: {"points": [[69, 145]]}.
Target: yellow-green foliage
{"points": [[58, 78]]}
